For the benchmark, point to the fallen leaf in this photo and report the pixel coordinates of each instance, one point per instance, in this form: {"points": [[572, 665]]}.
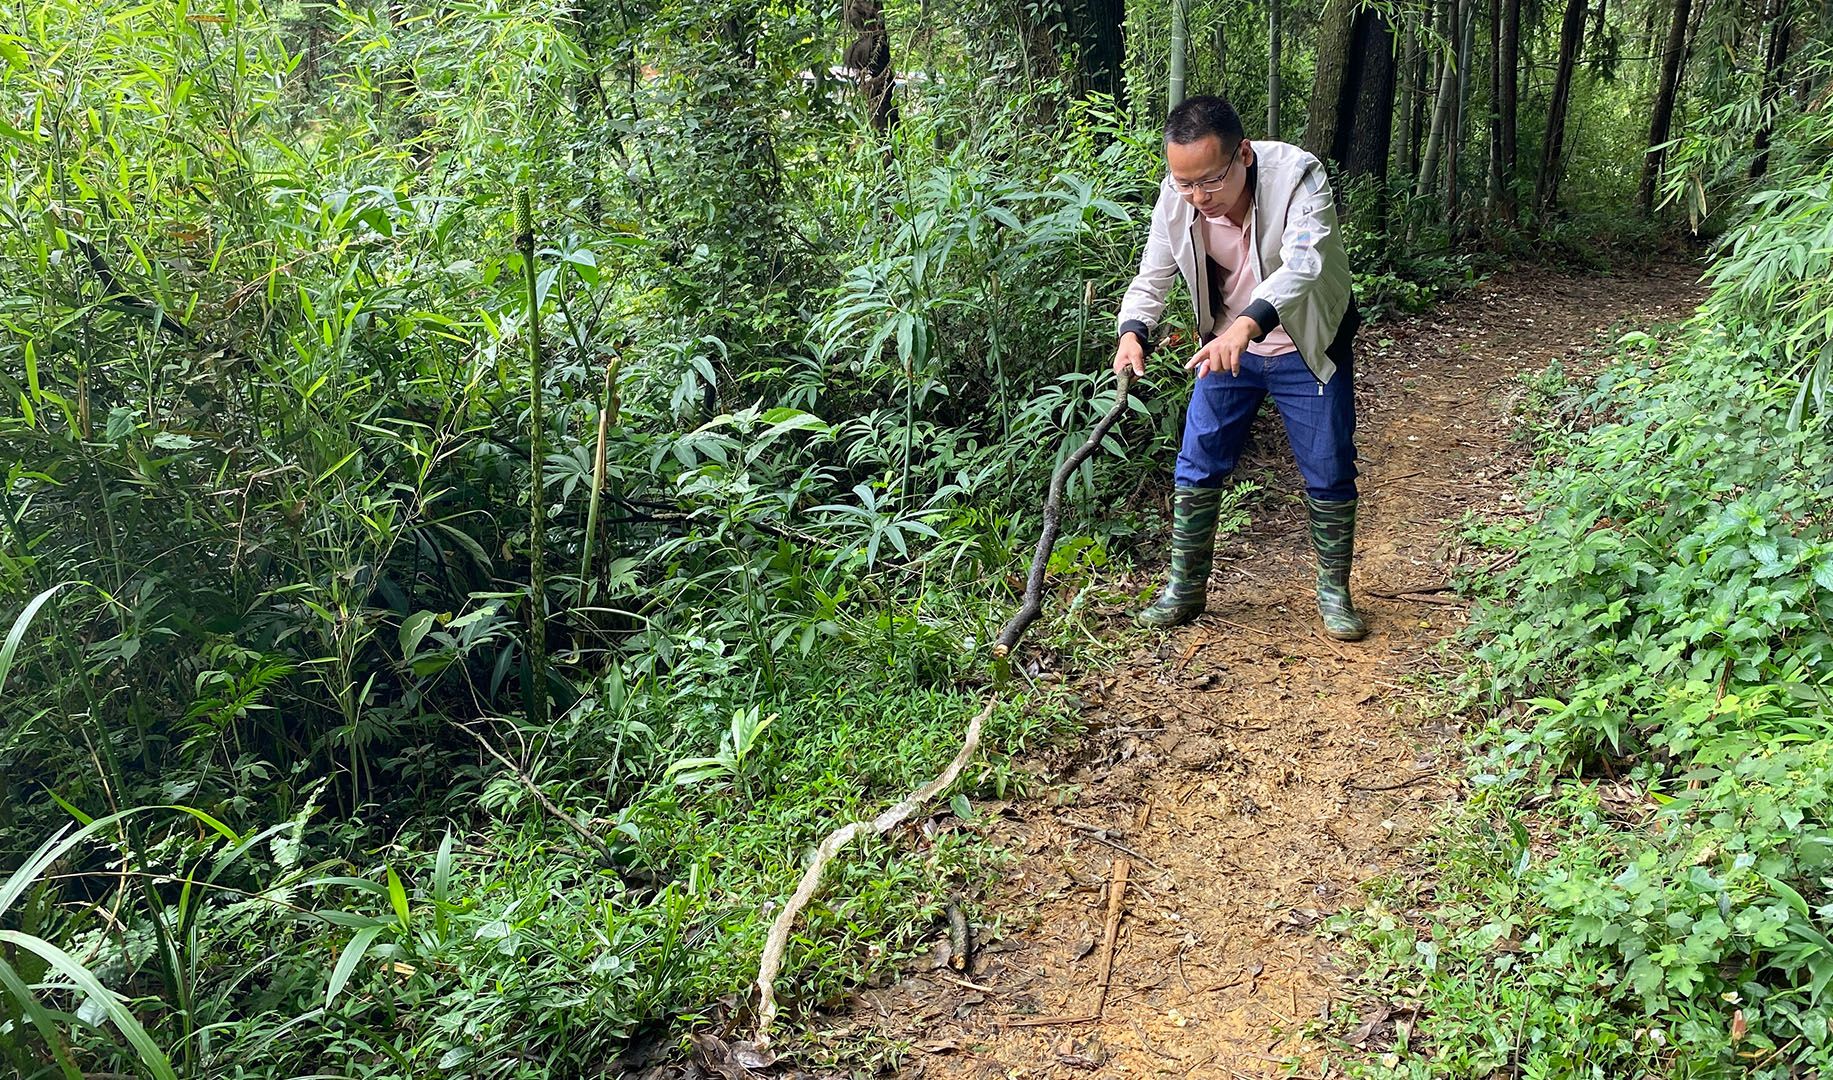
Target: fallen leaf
{"points": [[1370, 1024]]}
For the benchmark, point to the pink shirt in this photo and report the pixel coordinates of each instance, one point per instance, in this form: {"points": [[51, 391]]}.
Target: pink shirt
{"points": [[1228, 245]]}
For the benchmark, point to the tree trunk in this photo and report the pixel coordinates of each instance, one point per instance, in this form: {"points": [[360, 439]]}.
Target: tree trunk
{"points": [[1509, 114], [1408, 152], [1441, 116], [1180, 39], [1098, 28], [1494, 208], [1365, 113], [1273, 88], [1774, 60], [1365, 123], [870, 58], [1454, 138], [1335, 29], [1552, 159], [1221, 40], [1664, 106]]}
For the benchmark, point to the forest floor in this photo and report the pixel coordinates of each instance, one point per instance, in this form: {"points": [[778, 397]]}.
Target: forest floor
{"points": [[1253, 773]]}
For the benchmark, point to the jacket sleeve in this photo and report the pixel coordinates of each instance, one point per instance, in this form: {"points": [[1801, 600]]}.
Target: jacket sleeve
{"points": [[1310, 234], [1144, 302]]}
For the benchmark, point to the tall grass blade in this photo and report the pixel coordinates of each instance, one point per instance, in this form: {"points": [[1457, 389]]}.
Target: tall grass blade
{"points": [[10, 647]]}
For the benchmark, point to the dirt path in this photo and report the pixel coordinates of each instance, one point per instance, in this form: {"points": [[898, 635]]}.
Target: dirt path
{"points": [[1256, 772]]}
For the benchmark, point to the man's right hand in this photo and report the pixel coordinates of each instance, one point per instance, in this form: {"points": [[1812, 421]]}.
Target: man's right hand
{"points": [[1130, 357]]}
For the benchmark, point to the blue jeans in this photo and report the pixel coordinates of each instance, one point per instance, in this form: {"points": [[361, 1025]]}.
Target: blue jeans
{"points": [[1320, 423]]}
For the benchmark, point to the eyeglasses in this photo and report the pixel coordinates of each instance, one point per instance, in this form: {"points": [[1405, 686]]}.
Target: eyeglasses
{"points": [[1211, 185]]}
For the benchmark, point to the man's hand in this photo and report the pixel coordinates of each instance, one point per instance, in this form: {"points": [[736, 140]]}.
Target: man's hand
{"points": [[1224, 352], [1130, 357]]}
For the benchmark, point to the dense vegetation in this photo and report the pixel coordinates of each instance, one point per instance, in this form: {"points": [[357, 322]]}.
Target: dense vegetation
{"points": [[1643, 884], [754, 405]]}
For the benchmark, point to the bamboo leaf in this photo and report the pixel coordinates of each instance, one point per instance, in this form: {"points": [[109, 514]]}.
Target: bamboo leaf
{"points": [[14, 985], [397, 895], [10, 647], [66, 965], [352, 956]]}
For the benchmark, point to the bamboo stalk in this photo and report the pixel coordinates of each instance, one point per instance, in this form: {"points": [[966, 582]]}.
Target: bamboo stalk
{"points": [[1180, 42], [1273, 90], [537, 493]]}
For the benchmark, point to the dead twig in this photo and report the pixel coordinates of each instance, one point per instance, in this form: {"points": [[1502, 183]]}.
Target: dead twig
{"points": [[1116, 891], [1422, 590], [772, 960], [1333, 645], [591, 838], [1099, 836], [1409, 782], [1427, 598], [971, 985], [1033, 605]]}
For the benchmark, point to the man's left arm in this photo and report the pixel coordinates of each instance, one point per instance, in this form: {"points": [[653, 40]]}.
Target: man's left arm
{"points": [[1311, 221]]}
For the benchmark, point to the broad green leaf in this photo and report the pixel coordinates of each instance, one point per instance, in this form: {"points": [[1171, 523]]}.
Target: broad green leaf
{"points": [[397, 895], [352, 956], [10, 647], [413, 629]]}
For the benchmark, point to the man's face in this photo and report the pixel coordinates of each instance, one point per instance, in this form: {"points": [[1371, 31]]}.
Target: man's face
{"points": [[1212, 179]]}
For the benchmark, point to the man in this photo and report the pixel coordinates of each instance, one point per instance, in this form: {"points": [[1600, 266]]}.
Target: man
{"points": [[1252, 228]]}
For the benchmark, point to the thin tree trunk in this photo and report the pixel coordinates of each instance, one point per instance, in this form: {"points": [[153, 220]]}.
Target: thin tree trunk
{"points": [[870, 58], [1409, 102], [1454, 138], [1663, 115], [1509, 114], [1098, 27], [536, 691], [1273, 87], [1774, 60], [1424, 79], [1180, 39], [1441, 115], [1597, 26], [1221, 40], [1494, 208], [1335, 28], [1552, 156]]}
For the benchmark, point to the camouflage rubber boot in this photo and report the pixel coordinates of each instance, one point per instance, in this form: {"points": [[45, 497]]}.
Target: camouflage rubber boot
{"points": [[1333, 534], [1193, 551]]}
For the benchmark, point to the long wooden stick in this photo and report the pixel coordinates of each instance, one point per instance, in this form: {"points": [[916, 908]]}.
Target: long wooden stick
{"points": [[778, 940], [1033, 605], [1116, 891], [607, 416]]}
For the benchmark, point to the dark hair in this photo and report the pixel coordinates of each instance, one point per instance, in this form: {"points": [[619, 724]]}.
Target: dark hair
{"points": [[1197, 118]]}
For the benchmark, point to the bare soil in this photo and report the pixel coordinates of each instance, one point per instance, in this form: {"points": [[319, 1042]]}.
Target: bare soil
{"points": [[1253, 773]]}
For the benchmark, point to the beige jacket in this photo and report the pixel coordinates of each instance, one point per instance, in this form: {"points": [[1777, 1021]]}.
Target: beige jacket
{"points": [[1304, 272]]}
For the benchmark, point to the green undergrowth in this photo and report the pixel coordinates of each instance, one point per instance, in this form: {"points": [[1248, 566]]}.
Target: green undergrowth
{"points": [[1640, 882]]}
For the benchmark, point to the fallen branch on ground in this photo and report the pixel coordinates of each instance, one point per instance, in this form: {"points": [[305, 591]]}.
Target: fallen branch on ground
{"points": [[778, 940], [603, 849], [1423, 590], [1033, 605], [1116, 890]]}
